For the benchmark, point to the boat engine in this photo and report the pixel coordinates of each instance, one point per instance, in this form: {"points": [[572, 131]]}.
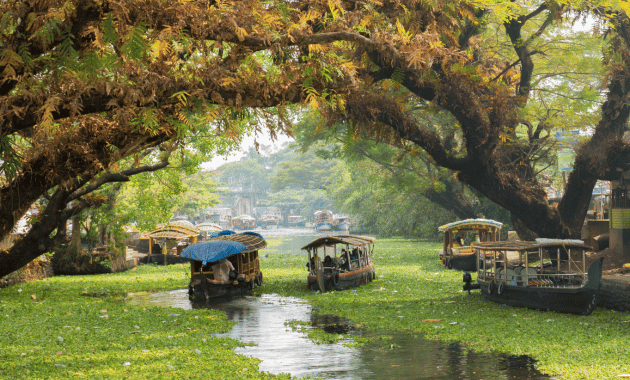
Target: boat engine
{"points": [[468, 285]]}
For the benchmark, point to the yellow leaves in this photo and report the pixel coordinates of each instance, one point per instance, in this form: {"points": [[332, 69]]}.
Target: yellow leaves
{"points": [[184, 119], [272, 21], [402, 33], [47, 120], [160, 47], [504, 137], [241, 33], [312, 97], [227, 81], [335, 8], [182, 97]]}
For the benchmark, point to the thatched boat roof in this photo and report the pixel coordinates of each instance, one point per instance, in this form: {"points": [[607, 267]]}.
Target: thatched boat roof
{"points": [[354, 240]]}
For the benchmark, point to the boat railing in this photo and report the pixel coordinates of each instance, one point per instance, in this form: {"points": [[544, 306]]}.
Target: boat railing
{"points": [[531, 277], [463, 250]]}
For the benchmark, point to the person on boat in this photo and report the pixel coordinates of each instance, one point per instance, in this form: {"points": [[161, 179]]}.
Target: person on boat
{"points": [[222, 270], [329, 262]]}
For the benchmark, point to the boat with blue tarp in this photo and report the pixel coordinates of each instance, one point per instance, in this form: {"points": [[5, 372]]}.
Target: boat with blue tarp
{"points": [[226, 265]]}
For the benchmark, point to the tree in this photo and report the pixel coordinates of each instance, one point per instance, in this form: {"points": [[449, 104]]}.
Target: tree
{"points": [[443, 56], [84, 84], [304, 171]]}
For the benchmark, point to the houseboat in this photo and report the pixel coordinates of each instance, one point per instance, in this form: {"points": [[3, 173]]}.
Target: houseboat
{"points": [[323, 220], [458, 250], [244, 222], [221, 216], [269, 221], [339, 262], [209, 230], [172, 240], [224, 266], [341, 223], [295, 221], [546, 274]]}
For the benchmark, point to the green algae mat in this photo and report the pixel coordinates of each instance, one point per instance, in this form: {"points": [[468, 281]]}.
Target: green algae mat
{"points": [[82, 327]]}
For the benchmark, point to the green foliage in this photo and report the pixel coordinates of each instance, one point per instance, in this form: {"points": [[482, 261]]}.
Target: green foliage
{"points": [[136, 46], [91, 331], [304, 171], [9, 158]]}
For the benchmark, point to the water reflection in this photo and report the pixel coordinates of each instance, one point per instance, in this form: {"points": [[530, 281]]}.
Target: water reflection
{"points": [[298, 238], [261, 320]]}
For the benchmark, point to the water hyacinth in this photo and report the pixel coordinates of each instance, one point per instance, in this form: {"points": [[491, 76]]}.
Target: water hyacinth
{"points": [[412, 293]]}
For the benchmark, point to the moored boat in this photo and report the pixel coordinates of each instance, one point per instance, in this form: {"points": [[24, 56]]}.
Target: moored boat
{"points": [[546, 274], [341, 223], [323, 220], [227, 265], [244, 222], [339, 262], [458, 250], [296, 221], [270, 221]]}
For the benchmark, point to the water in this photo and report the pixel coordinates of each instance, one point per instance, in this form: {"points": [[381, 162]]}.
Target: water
{"points": [[261, 320]]}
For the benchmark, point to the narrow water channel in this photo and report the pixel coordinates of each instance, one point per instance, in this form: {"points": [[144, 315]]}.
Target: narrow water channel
{"points": [[262, 321]]}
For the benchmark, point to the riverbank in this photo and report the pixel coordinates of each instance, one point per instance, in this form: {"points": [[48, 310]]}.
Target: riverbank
{"points": [[81, 326]]}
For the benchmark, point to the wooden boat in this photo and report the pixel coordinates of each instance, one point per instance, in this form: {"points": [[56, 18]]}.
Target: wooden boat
{"points": [[341, 223], [339, 262], [227, 265], [546, 274], [459, 255], [244, 222], [171, 239], [323, 220], [296, 221], [209, 230], [270, 221]]}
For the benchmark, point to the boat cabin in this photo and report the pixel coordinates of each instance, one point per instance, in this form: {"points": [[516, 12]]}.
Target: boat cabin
{"points": [[339, 262], [546, 274], [244, 222], [227, 265], [459, 237], [172, 240]]}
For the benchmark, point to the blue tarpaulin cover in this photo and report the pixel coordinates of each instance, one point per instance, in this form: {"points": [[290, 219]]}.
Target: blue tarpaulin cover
{"points": [[251, 233], [211, 251]]}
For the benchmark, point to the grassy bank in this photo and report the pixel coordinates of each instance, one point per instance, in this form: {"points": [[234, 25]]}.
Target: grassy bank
{"points": [[81, 327]]}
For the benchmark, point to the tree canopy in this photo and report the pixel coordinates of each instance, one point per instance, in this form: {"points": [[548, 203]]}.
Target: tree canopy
{"points": [[84, 84]]}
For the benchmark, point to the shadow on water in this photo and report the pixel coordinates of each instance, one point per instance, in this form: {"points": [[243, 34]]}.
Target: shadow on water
{"points": [[263, 321]]}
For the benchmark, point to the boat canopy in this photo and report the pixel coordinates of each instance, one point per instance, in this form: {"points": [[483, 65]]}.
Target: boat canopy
{"points": [[208, 227], [172, 231], [354, 240], [224, 246], [532, 245], [245, 217], [211, 251], [471, 224]]}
